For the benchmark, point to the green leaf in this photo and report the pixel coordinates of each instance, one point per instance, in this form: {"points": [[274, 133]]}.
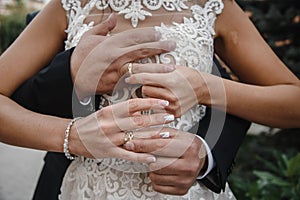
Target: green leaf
{"points": [[269, 165], [294, 166], [268, 178], [282, 162]]}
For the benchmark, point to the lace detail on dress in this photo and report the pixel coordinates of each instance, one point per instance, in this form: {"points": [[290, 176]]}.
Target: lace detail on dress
{"points": [[134, 9], [115, 178], [76, 16], [90, 180]]}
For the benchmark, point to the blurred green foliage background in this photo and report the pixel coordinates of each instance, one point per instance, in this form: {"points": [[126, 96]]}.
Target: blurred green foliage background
{"points": [[268, 164], [12, 24]]}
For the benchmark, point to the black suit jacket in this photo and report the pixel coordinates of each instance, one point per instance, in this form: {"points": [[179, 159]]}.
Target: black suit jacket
{"points": [[50, 92]]}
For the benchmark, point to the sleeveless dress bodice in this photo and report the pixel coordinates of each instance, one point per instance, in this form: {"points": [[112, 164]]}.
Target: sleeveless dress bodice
{"points": [[116, 178]]}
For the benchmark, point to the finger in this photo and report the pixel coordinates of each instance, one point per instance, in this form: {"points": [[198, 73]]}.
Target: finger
{"points": [[153, 133], [134, 157], [129, 107], [153, 79], [151, 68], [148, 49], [145, 50], [117, 138], [163, 93], [164, 180], [136, 36], [159, 93], [166, 166], [172, 190], [141, 121], [104, 27], [182, 166], [147, 68], [168, 147]]}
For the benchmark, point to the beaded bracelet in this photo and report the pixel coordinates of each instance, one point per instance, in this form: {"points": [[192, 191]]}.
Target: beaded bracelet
{"points": [[66, 140]]}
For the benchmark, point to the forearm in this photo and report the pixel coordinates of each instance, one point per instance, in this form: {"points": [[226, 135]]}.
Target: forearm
{"points": [[276, 105], [24, 128]]}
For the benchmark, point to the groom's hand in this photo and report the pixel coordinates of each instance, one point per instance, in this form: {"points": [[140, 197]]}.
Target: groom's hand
{"points": [[97, 61], [180, 158]]}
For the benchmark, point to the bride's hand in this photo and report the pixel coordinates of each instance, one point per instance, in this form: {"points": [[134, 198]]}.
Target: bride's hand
{"points": [[183, 87], [101, 135]]}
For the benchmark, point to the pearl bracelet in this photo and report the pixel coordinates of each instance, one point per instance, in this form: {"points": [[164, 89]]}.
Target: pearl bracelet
{"points": [[66, 140]]}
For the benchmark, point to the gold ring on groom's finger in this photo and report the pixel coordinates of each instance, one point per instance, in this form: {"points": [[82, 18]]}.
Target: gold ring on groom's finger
{"points": [[129, 67], [128, 135]]}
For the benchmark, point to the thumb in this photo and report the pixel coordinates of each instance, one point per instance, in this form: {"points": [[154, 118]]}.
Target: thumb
{"points": [[104, 27]]}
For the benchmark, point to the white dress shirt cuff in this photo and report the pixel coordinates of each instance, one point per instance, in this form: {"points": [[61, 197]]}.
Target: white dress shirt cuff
{"points": [[210, 159]]}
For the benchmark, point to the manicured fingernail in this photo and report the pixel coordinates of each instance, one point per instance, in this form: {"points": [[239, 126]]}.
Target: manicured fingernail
{"points": [[129, 146], [157, 35], [164, 134], [170, 68], [171, 45], [163, 102], [151, 159], [127, 80], [169, 117]]}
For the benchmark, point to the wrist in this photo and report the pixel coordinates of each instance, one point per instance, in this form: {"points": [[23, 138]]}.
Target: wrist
{"points": [[213, 91], [56, 141], [203, 93], [74, 63], [71, 140]]}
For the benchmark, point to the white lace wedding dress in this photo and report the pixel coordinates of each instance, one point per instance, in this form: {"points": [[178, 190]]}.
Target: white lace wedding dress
{"points": [[91, 179]]}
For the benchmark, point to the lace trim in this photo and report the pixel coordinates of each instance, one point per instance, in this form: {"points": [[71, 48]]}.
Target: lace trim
{"points": [[134, 9]]}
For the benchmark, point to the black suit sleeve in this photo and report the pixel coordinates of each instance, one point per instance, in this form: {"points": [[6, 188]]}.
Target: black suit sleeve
{"points": [[50, 91], [224, 144]]}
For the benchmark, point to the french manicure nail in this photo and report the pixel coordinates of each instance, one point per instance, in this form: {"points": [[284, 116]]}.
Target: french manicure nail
{"points": [[169, 117], [164, 134], [163, 102], [151, 159]]}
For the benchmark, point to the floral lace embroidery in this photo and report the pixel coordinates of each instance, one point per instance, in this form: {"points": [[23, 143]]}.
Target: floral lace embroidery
{"points": [[115, 178], [90, 180], [76, 16], [134, 9]]}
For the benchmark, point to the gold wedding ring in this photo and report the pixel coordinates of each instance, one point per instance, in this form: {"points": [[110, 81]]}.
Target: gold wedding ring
{"points": [[128, 136], [129, 67]]}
